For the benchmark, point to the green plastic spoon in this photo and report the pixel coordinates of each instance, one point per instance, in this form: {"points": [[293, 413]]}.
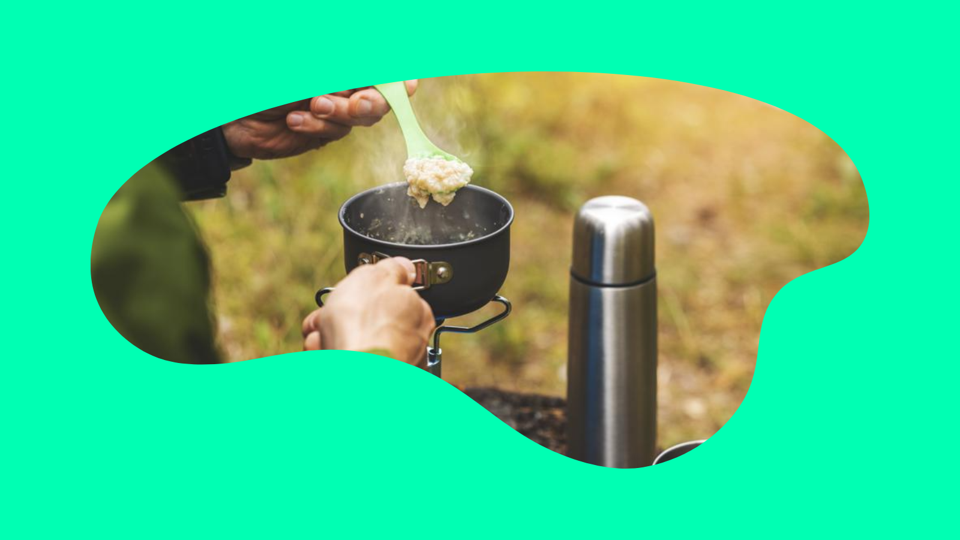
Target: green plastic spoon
{"points": [[418, 145]]}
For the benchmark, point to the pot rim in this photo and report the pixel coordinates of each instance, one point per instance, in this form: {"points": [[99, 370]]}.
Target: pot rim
{"points": [[498, 232]]}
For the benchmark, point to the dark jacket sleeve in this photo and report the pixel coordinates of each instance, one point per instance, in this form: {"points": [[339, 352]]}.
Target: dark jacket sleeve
{"points": [[201, 166], [151, 272]]}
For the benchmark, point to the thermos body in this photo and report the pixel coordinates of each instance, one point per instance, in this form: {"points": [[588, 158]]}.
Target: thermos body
{"points": [[612, 355], [612, 374]]}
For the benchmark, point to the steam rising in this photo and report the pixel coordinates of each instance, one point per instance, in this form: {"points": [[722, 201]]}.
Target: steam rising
{"points": [[389, 214]]}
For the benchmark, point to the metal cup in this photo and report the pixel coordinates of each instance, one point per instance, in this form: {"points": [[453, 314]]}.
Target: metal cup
{"points": [[676, 451]]}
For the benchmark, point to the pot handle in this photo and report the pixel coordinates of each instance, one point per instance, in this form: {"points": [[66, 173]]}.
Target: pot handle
{"points": [[428, 273]]}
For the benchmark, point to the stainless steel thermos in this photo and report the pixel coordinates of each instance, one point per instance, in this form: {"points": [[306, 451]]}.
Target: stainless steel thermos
{"points": [[612, 363]]}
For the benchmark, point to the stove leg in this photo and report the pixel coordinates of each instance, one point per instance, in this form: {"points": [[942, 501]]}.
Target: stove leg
{"points": [[433, 361]]}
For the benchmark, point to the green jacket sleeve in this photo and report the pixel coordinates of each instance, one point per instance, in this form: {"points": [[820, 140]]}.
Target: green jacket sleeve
{"points": [[151, 272]]}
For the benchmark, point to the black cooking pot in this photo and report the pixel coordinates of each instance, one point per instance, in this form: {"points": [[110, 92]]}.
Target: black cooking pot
{"points": [[462, 251]]}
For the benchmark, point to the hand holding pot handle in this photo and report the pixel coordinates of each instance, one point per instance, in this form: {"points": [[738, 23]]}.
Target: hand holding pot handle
{"points": [[373, 309]]}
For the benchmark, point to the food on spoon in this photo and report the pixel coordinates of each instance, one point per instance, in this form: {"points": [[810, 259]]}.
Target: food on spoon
{"points": [[435, 177]]}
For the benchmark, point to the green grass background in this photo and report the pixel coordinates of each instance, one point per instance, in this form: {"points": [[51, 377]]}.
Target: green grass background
{"points": [[746, 197]]}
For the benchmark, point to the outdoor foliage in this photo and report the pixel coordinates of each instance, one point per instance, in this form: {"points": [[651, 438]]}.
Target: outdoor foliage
{"points": [[747, 197]]}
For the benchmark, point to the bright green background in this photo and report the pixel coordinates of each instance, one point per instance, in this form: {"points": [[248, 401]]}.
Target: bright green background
{"points": [[849, 426]]}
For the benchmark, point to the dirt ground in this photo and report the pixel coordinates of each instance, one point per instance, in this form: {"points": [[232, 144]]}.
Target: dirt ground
{"points": [[542, 419]]}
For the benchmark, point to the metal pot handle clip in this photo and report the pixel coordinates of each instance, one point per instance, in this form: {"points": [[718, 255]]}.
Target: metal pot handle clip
{"points": [[428, 273]]}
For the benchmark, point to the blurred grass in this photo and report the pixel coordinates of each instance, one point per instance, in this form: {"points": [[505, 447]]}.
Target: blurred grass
{"points": [[746, 197]]}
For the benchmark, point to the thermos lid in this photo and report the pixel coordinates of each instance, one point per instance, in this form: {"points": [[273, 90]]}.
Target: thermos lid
{"points": [[613, 242]]}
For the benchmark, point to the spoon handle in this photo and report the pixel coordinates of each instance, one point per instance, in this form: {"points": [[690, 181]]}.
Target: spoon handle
{"points": [[396, 95]]}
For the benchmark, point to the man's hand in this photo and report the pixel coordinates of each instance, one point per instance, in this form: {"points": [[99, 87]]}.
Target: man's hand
{"points": [[374, 308], [295, 128]]}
